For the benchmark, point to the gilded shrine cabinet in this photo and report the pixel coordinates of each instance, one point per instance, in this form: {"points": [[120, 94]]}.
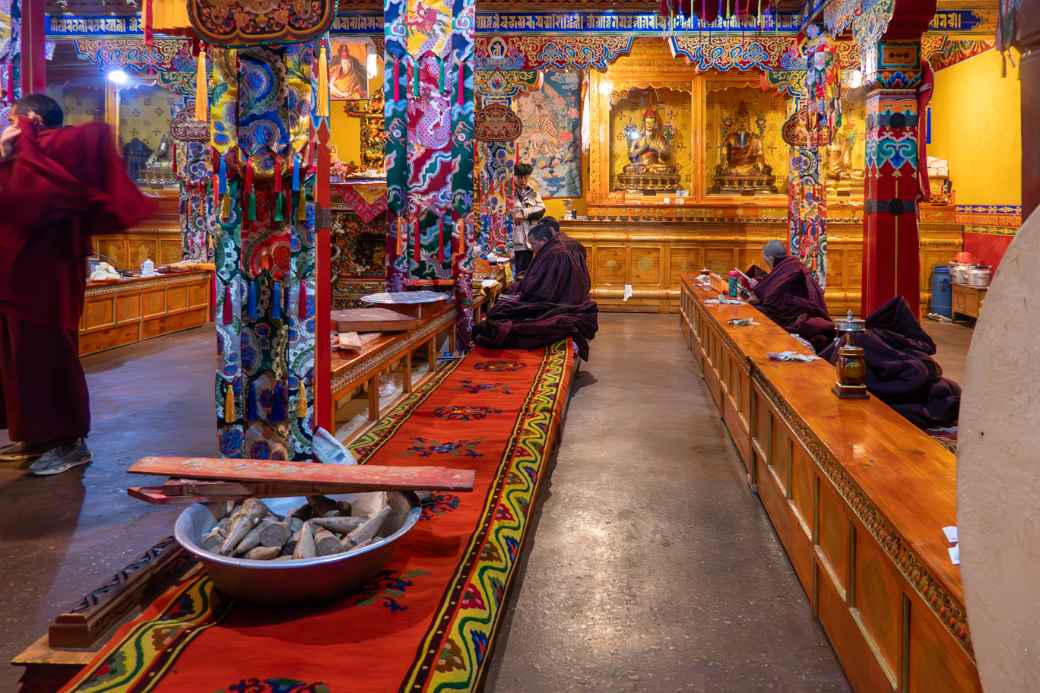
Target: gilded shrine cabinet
{"points": [[688, 169]]}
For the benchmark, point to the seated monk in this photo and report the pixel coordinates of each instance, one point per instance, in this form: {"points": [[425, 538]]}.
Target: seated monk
{"points": [[790, 296], [900, 369], [550, 302]]}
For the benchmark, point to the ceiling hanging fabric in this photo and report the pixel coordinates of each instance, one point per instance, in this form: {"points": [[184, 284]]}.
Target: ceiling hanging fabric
{"points": [[707, 11]]}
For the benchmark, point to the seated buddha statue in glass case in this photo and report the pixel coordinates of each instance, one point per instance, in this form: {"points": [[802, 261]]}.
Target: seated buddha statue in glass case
{"points": [[650, 167]]}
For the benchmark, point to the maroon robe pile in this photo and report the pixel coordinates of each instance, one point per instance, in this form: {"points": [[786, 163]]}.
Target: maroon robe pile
{"points": [[60, 187], [551, 302], [790, 297], [900, 369]]}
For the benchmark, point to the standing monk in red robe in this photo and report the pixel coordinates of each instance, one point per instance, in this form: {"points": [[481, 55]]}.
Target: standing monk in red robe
{"points": [[58, 186]]}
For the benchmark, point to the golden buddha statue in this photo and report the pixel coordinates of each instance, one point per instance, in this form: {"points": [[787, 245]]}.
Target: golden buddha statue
{"points": [[843, 177], [743, 169], [649, 155]]}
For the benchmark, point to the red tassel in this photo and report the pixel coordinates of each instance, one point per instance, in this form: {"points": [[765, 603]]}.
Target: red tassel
{"points": [[440, 240], [278, 174], [173, 156], [462, 84], [302, 307], [226, 313], [216, 191], [397, 79], [248, 185]]}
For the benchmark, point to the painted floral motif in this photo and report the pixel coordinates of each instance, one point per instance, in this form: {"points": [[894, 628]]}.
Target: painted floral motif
{"points": [[489, 553], [462, 413], [499, 365], [276, 686], [458, 448], [476, 388], [450, 657], [389, 588], [438, 505]]}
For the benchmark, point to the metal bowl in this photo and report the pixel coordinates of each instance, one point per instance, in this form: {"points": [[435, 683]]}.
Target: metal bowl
{"points": [[302, 581]]}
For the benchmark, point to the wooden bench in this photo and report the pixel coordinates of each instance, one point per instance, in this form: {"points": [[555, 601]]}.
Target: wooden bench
{"points": [[857, 495]]}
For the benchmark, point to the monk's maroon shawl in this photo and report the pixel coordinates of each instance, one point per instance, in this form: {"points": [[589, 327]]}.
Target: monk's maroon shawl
{"points": [[551, 302], [900, 368], [558, 274], [790, 297], [60, 187]]}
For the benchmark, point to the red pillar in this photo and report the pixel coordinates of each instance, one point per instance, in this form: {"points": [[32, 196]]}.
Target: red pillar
{"points": [[893, 76], [34, 50], [323, 414], [1028, 42]]}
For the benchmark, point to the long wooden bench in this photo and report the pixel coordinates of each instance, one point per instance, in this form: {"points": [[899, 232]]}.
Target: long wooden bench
{"points": [[858, 497]]}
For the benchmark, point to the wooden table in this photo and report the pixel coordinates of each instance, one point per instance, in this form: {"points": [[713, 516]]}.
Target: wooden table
{"points": [[857, 495], [133, 310]]}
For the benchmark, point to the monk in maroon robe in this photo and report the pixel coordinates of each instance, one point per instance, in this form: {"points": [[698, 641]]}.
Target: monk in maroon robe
{"points": [[790, 297], [901, 370], [550, 302], [58, 186]]}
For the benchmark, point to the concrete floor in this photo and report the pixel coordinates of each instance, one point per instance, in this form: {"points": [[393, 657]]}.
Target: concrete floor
{"points": [[652, 567]]}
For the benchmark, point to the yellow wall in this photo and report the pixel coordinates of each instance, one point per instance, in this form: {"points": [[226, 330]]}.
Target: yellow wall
{"points": [[976, 127]]}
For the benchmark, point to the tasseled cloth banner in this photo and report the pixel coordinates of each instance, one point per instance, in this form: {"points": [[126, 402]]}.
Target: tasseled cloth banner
{"points": [[429, 100], [264, 251]]}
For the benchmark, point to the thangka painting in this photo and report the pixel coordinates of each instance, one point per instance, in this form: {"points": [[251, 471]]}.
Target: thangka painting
{"points": [[348, 69], [551, 140]]}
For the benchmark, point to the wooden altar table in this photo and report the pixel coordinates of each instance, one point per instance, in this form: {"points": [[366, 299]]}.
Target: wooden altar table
{"points": [[652, 254], [132, 310], [857, 495]]}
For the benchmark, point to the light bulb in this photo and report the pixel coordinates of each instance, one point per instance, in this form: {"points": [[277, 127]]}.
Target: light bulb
{"points": [[118, 77], [372, 65]]}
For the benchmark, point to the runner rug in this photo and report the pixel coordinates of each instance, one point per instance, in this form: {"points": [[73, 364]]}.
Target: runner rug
{"points": [[427, 623]]}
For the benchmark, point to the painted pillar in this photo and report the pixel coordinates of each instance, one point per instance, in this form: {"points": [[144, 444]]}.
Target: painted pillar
{"points": [[819, 108], [889, 38], [495, 163], [891, 257], [428, 92], [33, 47]]}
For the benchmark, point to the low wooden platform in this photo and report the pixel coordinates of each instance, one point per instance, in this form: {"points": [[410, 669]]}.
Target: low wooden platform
{"points": [[857, 495], [354, 371]]}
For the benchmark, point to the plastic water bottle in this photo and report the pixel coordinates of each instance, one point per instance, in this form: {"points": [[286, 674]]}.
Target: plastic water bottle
{"points": [[734, 283]]}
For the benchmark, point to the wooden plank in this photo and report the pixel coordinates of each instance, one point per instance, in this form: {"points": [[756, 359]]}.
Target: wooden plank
{"points": [[372, 320], [363, 477]]}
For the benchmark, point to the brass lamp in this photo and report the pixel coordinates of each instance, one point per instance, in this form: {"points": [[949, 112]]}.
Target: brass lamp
{"points": [[852, 366]]}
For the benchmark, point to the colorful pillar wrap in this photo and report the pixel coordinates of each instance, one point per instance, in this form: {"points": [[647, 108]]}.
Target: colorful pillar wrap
{"points": [[820, 109], [10, 50], [428, 93], [261, 116], [197, 213]]}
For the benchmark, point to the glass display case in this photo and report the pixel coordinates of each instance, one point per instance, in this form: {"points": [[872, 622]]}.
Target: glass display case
{"points": [[744, 153]]}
